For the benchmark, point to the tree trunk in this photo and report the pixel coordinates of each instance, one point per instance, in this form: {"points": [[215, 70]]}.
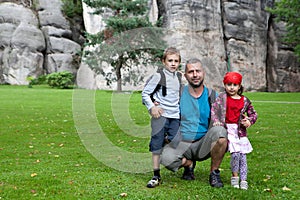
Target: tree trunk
{"points": [[119, 75]]}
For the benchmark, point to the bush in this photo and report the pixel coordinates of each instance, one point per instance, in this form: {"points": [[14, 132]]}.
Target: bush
{"points": [[36, 81], [61, 80], [72, 8]]}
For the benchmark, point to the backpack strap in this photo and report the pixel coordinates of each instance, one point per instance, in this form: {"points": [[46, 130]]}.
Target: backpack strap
{"points": [[162, 82], [179, 76], [212, 95]]}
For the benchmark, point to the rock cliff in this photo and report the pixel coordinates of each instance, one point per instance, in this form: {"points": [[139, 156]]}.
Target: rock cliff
{"points": [[240, 32], [35, 42]]}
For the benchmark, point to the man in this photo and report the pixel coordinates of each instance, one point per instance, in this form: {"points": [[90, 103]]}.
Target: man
{"points": [[195, 141]]}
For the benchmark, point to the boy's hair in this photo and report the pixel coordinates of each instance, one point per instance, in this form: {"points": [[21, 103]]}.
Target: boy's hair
{"points": [[171, 51]]}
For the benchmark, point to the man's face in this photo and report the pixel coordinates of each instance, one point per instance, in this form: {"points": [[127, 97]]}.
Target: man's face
{"points": [[171, 62], [194, 74]]}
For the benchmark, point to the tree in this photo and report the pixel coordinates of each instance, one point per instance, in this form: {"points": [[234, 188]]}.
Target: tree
{"points": [[289, 12], [129, 39]]}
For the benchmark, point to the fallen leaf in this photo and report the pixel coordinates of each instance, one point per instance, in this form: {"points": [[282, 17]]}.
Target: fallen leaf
{"points": [[124, 194], [286, 188], [33, 174], [267, 190], [268, 177]]}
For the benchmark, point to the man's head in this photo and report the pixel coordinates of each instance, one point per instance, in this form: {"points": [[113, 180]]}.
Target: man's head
{"points": [[194, 72], [171, 59]]}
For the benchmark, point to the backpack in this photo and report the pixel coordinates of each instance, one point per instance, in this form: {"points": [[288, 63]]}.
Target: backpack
{"points": [[162, 83], [212, 95]]}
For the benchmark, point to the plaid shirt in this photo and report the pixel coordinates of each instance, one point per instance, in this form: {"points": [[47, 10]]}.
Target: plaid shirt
{"points": [[218, 113]]}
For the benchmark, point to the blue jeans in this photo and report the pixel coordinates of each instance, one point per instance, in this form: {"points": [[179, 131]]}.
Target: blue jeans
{"points": [[162, 128]]}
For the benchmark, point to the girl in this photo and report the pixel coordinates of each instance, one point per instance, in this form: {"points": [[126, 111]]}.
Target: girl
{"points": [[236, 113]]}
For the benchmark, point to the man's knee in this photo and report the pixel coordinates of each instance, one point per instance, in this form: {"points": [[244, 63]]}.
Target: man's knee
{"points": [[170, 159], [218, 132], [222, 141]]}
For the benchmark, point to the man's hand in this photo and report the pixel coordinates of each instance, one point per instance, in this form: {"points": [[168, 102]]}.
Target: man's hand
{"points": [[217, 124]]}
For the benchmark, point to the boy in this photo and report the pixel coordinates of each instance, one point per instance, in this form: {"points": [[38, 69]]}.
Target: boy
{"points": [[161, 97]]}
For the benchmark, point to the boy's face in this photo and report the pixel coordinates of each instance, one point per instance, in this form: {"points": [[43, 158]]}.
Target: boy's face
{"points": [[171, 62]]}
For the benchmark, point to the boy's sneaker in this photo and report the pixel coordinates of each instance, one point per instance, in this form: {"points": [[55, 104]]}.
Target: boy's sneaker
{"points": [[235, 182], [244, 185], [188, 174], [215, 179], [155, 181]]}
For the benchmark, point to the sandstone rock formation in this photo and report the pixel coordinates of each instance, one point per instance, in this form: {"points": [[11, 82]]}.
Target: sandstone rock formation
{"points": [[33, 43], [239, 32]]}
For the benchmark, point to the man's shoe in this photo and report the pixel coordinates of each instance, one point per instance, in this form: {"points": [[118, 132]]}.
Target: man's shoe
{"points": [[188, 174], [215, 179], [155, 181]]}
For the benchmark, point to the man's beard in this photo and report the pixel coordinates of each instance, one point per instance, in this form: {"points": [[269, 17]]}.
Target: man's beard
{"points": [[196, 85]]}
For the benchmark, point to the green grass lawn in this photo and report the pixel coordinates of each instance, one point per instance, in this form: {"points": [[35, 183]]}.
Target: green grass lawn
{"points": [[84, 144]]}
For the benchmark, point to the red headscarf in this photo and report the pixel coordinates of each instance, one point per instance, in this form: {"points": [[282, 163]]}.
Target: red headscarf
{"points": [[233, 77]]}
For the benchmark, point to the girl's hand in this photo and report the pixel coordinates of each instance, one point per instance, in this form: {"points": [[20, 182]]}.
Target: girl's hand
{"points": [[245, 121]]}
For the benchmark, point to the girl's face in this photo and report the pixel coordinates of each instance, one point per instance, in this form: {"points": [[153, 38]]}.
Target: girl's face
{"points": [[172, 62], [232, 89]]}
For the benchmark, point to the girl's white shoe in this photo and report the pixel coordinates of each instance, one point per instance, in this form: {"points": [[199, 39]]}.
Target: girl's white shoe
{"points": [[235, 182], [244, 185]]}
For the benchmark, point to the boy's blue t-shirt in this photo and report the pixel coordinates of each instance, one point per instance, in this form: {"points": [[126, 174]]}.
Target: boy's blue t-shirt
{"points": [[195, 114]]}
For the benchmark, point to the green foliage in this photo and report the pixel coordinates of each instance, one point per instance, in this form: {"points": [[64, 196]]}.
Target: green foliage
{"points": [[120, 24], [43, 157], [121, 7], [129, 39], [62, 80], [289, 12], [37, 81], [72, 8]]}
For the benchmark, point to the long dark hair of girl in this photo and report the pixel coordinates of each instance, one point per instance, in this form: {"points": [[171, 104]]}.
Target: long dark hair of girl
{"points": [[241, 90]]}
